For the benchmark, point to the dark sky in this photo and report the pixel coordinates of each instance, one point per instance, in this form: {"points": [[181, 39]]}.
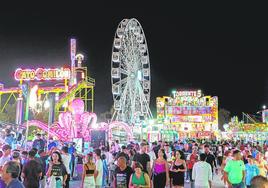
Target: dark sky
{"points": [[221, 49]]}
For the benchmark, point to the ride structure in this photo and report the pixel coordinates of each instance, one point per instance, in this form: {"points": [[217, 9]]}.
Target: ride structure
{"points": [[67, 92], [39, 85], [130, 73]]}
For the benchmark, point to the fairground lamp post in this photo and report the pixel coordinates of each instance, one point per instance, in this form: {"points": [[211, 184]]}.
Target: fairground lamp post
{"points": [[49, 104], [46, 106]]}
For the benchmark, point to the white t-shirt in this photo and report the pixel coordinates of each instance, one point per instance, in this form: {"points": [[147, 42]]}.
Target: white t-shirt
{"points": [[109, 157], [152, 157], [66, 159], [99, 168], [202, 174], [169, 156]]}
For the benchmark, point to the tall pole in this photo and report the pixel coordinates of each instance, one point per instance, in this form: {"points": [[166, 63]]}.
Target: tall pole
{"points": [[73, 53], [51, 113], [27, 115]]}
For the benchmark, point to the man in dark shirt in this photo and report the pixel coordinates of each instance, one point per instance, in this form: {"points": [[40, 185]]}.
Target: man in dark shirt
{"points": [[143, 158], [122, 173], [39, 143], [123, 153], [210, 158]]}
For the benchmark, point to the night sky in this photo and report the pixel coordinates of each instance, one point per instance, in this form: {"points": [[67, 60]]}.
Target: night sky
{"points": [[221, 49]]}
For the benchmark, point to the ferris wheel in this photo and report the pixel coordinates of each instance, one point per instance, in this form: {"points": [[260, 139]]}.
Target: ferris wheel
{"points": [[130, 73]]}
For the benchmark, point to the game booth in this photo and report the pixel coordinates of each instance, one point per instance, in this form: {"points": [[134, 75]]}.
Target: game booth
{"points": [[189, 113]]}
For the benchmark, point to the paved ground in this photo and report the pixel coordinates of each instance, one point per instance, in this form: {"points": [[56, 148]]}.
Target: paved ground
{"points": [[217, 183]]}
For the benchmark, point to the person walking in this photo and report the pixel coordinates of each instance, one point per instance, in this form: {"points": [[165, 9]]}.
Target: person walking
{"points": [[201, 173], [56, 173], [10, 173], [234, 171], [261, 164], [6, 155], [139, 178], [105, 173], [251, 170], [39, 143], [190, 161], [31, 173], [143, 158], [160, 170], [89, 172], [178, 168], [210, 158], [99, 168], [66, 159], [122, 173]]}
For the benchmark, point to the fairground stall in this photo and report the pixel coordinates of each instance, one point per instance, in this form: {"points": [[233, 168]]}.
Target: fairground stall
{"points": [[189, 113], [249, 132]]}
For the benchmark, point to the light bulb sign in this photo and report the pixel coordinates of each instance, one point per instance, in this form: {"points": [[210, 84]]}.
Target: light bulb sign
{"points": [[42, 74], [193, 93]]}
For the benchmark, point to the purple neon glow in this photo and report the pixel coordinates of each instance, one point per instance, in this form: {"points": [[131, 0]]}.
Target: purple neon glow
{"points": [[78, 124]]}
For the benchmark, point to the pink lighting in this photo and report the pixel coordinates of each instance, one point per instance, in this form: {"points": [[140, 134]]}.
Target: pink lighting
{"points": [[42, 74], [76, 123]]}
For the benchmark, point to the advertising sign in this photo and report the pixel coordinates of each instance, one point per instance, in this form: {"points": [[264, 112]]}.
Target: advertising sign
{"points": [[42, 74]]}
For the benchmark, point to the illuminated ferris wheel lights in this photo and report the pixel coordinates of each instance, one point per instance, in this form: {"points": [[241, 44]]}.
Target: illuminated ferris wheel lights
{"points": [[139, 75], [130, 72]]}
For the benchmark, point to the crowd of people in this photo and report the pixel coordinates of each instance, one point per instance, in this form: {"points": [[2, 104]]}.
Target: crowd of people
{"points": [[154, 165]]}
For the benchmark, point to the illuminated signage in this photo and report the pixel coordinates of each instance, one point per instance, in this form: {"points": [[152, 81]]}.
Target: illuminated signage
{"points": [[193, 93], [73, 51], [265, 116], [188, 110], [42, 74], [191, 119]]}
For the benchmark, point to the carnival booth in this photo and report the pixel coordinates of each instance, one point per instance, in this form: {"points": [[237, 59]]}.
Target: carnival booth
{"points": [[189, 113], [238, 130]]}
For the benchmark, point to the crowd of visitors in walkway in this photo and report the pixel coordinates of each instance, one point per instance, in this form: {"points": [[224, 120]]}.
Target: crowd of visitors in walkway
{"points": [[159, 164]]}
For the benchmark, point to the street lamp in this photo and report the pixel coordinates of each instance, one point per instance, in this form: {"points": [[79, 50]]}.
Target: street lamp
{"points": [[174, 93], [46, 106], [264, 107]]}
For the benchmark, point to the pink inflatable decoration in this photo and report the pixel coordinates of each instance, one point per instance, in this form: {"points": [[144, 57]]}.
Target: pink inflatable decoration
{"points": [[72, 124], [76, 123]]}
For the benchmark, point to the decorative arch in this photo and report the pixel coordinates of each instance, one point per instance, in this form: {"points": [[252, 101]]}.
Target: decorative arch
{"points": [[44, 127], [120, 124]]}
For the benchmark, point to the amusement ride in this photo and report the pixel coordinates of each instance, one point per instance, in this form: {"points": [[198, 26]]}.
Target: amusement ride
{"points": [[130, 73], [68, 91]]}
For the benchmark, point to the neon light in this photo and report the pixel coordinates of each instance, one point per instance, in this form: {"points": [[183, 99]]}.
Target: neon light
{"points": [[42, 74], [193, 93]]}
